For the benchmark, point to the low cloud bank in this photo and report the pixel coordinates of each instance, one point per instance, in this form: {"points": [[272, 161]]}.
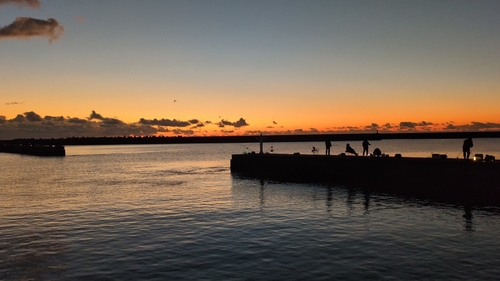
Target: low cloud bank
{"points": [[32, 125]]}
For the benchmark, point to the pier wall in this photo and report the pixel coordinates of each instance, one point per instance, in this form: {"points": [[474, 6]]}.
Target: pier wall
{"points": [[444, 179]]}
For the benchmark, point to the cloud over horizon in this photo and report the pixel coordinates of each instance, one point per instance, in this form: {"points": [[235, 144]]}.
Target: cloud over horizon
{"points": [[22, 3], [26, 27], [240, 123], [32, 125]]}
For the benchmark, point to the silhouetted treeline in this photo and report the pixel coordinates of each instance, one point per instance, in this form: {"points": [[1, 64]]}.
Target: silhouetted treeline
{"points": [[249, 139]]}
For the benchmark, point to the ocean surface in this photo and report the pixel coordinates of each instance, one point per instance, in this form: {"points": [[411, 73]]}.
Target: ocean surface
{"points": [[175, 212]]}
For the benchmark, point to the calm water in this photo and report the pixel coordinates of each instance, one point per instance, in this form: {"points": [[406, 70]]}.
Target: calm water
{"points": [[174, 212]]}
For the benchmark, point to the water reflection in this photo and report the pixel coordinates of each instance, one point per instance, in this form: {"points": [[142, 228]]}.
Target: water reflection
{"points": [[33, 253], [468, 225], [342, 200], [261, 195], [329, 199]]}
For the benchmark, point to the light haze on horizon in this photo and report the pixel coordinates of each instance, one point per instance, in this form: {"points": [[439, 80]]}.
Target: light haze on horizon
{"points": [[236, 67]]}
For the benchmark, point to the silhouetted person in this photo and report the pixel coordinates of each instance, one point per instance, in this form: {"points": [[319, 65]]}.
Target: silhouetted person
{"points": [[328, 144], [365, 147], [377, 152], [466, 147], [349, 149], [315, 150]]}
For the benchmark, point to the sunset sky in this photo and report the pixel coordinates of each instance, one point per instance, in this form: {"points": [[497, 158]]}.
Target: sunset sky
{"points": [[214, 67]]}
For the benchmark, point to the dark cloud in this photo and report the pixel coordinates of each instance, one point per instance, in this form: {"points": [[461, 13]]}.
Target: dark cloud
{"points": [[183, 132], [19, 119], [22, 3], [105, 120], [95, 115], [475, 126], [373, 126], [165, 122], [32, 125], [237, 124], [387, 126], [33, 117], [54, 118], [450, 127], [425, 123], [408, 125], [76, 120], [314, 131], [25, 27]]}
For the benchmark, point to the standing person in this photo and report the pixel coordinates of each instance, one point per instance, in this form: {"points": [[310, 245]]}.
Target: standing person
{"points": [[365, 147], [466, 147], [328, 144]]}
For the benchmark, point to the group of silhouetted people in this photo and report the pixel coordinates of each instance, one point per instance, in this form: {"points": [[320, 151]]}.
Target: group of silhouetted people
{"points": [[468, 144], [348, 148]]}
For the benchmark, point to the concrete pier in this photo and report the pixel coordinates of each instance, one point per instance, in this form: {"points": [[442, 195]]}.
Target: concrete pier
{"points": [[450, 180]]}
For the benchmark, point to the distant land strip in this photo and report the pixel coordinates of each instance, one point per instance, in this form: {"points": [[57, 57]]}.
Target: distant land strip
{"points": [[249, 138]]}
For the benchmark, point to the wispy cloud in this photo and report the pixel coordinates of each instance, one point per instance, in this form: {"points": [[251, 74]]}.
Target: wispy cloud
{"points": [[25, 27], [13, 103], [79, 18], [22, 3]]}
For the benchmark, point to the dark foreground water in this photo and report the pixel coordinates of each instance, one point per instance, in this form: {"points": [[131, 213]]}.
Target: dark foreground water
{"points": [[174, 212]]}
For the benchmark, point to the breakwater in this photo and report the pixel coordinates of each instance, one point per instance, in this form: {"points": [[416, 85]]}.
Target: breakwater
{"points": [[256, 138], [450, 180], [33, 149]]}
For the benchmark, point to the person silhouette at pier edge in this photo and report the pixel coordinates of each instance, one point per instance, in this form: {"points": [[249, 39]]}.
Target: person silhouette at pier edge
{"points": [[466, 147], [365, 147], [377, 152], [349, 149], [328, 145]]}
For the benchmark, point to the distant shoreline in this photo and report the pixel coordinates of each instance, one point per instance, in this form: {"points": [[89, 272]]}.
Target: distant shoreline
{"points": [[251, 138]]}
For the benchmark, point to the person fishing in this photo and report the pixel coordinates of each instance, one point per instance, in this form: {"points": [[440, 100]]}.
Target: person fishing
{"points": [[349, 149], [365, 147], [466, 147], [328, 145]]}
